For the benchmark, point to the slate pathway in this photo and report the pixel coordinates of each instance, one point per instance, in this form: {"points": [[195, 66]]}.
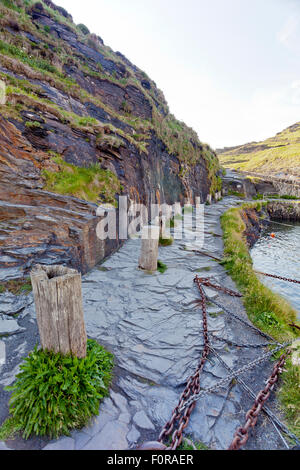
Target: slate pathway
{"points": [[154, 331]]}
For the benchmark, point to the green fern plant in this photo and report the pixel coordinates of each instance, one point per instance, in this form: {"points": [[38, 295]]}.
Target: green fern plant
{"points": [[54, 394]]}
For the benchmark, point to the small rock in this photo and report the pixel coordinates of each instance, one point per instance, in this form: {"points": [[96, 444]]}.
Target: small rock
{"points": [[133, 435], [112, 437], [11, 304], [142, 420], [9, 327]]}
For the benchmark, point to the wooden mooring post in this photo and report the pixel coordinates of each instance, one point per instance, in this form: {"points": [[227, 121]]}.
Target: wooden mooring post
{"points": [[149, 248], [59, 310]]}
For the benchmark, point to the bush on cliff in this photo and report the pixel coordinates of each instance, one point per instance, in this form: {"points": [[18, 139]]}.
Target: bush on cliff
{"points": [[84, 29]]}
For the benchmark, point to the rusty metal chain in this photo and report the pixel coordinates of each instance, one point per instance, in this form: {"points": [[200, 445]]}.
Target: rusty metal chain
{"points": [[223, 382], [241, 320], [241, 435], [279, 277], [206, 254], [207, 282], [265, 409], [192, 392], [193, 386], [239, 345]]}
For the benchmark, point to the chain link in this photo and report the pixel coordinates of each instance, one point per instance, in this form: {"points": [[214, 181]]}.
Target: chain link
{"points": [[223, 382], [269, 413], [238, 345], [192, 387], [207, 282], [279, 277], [241, 435], [241, 320]]}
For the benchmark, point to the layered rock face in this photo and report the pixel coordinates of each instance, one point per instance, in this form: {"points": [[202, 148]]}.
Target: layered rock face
{"points": [[79, 125]]}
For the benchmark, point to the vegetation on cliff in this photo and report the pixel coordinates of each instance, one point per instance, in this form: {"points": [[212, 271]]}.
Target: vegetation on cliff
{"points": [[48, 62], [85, 183], [279, 154], [267, 310]]}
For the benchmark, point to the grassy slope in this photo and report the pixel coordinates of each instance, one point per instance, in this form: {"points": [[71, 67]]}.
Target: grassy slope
{"points": [[281, 154], [268, 311]]}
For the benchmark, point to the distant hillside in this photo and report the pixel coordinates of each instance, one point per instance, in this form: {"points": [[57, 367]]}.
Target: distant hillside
{"points": [[277, 155]]}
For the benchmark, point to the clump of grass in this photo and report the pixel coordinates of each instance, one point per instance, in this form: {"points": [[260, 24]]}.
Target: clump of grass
{"points": [[161, 267], [187, 209], [33, 124], [258, 196], [16, 286], [36, 63], [235, 193], [165, 241], [91, 184], [267, 310], [289, 396], [8, 429], [84, 29], [189, 444], [170, 223], [205, 268], [54, 394]]}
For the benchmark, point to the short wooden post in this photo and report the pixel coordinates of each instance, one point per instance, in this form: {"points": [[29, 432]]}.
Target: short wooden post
{"points": [[59, 310], [209, 198], [149, 248], [198, 200], [177, 209]]}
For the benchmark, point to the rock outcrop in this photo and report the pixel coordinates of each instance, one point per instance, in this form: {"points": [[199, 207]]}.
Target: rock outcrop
{"points": [[284, 210], [72, 103]]}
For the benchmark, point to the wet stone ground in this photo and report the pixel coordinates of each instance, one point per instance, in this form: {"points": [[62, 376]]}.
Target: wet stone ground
{"points": [[154, 330]]}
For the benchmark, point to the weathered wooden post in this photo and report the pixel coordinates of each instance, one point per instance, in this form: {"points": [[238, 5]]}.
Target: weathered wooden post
{"points": [[149, 248], [177, 209], [198, 200], [59, 310]]}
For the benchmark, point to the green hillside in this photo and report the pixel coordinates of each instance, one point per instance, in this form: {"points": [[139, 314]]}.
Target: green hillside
{"points": [[276, 155]]}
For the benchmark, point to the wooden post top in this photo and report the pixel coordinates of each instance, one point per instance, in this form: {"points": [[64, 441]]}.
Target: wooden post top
{"points": [[50, 273]]}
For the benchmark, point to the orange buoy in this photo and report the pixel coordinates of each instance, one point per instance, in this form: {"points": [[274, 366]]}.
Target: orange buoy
{"points": [[273, 235]]}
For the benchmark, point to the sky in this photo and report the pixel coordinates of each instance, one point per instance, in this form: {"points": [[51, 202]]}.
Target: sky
{"points": [[230, 69]]}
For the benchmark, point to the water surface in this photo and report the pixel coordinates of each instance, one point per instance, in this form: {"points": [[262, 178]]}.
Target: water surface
{"points": [[280, 256]]}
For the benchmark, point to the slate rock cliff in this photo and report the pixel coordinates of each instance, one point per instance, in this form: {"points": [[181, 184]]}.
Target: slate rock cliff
{"points": [[79, 125]]}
